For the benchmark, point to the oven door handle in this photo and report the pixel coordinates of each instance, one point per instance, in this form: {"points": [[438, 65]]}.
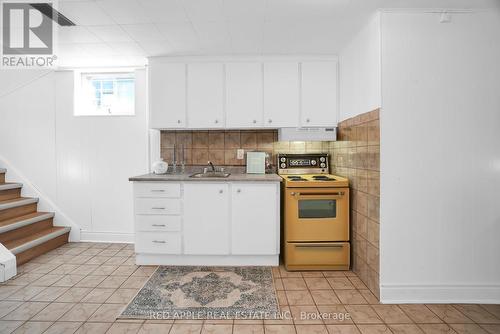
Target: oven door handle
{"points": [[319, 246], [318, 195]]}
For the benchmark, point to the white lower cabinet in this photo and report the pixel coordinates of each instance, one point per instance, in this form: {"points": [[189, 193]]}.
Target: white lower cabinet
{"points": [[210, 223], [206, 219], [254, 212]]}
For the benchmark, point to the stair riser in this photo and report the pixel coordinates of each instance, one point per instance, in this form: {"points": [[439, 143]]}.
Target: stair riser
{"points": [[26, 230], [18, 211], [10, 194], [41, 249]]}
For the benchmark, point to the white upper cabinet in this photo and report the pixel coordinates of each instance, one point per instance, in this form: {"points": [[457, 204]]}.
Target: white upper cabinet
{"points": [[167, 95], [243, 95], [281, 94], [255, 218], [319, 94], [205, 97]]}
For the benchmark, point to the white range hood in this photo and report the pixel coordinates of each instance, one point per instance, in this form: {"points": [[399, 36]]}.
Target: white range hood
{"points": [[307, 134]]}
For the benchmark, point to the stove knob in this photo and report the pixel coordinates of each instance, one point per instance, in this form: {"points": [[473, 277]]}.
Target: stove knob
{"points": [[322, 165], [322, 159], [283, 165], [313, 162], [283, 159]]}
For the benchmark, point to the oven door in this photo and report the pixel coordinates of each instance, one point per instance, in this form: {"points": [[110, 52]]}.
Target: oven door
{"points": [[317, 214]]}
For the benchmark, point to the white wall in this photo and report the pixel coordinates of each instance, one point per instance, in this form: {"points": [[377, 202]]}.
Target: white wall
{"points": [[440, 158], [359, 62], [80, 165]]}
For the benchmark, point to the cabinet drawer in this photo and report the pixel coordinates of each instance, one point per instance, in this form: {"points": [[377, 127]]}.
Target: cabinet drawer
{"points": [[161, 223], [155, 189], [317, 256], [157, 206], [158, 243]]}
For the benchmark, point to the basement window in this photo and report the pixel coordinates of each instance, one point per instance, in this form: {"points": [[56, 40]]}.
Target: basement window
{"points": [[104, 94]]}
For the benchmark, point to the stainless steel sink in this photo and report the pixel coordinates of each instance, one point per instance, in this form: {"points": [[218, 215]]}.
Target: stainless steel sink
{"points": [[210, 175]]}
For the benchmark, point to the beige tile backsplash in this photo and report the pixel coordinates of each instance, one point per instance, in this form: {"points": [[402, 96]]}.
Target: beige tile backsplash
{"points": [[355, 155]]}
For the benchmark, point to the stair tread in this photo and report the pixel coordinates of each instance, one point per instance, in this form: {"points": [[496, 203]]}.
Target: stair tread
{"points": [[3, 170], [12, 200], [19, 242], [10, 185], [21, 218]]}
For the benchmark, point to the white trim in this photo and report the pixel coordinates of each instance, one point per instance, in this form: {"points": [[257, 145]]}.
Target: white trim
{"points": [[207, 260], [26, 222], [441, 294], [113, 237], [243, 58], [37, 242], [45, 203]]}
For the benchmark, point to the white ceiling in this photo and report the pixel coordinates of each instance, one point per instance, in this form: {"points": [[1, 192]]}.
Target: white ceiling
{"points": [[125, 32]]}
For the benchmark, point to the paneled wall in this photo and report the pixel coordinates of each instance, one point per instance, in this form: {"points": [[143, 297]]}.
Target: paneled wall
{"points": [[356, 155]]}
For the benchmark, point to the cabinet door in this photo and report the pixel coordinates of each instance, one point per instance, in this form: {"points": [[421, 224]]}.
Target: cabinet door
{"points": [[167, 95], [281, 95], [243, 95], [205, 93], [206, 218], [319, 94], [254, 218]]}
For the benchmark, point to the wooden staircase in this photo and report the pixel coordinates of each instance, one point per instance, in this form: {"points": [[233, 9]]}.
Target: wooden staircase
{"points": [[26, 232]]}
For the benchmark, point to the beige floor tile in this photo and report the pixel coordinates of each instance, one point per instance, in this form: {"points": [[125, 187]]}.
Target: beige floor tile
{"points": [[32, 327], [285, 317], [334, 273], [122, 296], [52, 312], [492, 308], [185, 329], [335, 314], [47, 280], [216, 329], [145, 271], [288, 274], [112, 282], [305, 315], [350, 297], [64, 269], [449, 314], [155, 328], [24, 279], [369, 296], [391, 314], [405, 329], [363, 314], [311, 329], [7, 327], [299, 297], [90, 281], [325, 297], [73, 295], [468, 329], [340, 283], [248, 321], [104, 270], [80, 312], [317, 283], [50, 294], [26, 293], [437, 329], [98, 295], [116, 260], [93, 328], [107, 313], [278, 284], [296, 283], [63, 328], [420, 314], [478, 314], [108, 252], [124, 328], [492, 329], [279, 329], [7, 290], [374, 329], [135, 282], [276, 272], [342, 329], [248, 329], [281, 295], [98, 260], [8, 306], [357, 282], [124, 271], [25, 311], [312, 274]]}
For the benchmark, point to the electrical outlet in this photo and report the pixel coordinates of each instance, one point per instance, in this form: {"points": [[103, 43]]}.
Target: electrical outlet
{"points": [[240, 154]]}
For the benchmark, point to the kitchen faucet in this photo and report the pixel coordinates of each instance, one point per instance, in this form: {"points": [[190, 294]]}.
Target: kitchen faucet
{"points": [[211, 166]]}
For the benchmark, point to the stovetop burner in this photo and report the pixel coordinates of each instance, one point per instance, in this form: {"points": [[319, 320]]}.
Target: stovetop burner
{"points": [[296, 178], [322, 178]]}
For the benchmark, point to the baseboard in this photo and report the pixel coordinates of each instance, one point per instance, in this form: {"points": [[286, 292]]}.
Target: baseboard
{"points": [[440, 294], [115, 237], [207, 260]]}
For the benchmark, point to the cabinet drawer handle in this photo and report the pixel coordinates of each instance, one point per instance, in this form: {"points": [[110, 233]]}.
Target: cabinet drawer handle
{"points": [[270, 121], [178, 121], [238, 191], [254, 121], [158, 208], [159, 241], [221, 191], [158, 225], [308, 120], [158, 190]]}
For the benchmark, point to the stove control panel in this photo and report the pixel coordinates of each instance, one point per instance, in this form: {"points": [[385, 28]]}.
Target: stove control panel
{"points": [[312, 163]]}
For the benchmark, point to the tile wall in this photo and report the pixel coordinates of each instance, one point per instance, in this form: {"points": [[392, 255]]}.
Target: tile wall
{"points": [[356, 155]]}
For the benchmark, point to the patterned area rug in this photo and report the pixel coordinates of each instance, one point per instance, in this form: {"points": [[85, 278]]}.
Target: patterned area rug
{"points": [[206, 293]]}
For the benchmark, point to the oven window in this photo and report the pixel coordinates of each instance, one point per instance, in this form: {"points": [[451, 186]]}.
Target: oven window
{"points": [[318, 208]]}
